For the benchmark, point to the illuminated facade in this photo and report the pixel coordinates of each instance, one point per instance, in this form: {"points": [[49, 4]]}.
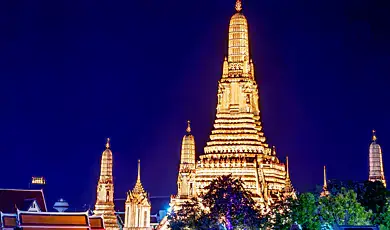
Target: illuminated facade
{"points": [[237, 143], [105, 191], [375, 160], [137, 206]]}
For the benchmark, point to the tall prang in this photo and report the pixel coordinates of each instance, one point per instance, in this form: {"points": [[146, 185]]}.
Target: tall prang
{"points": [[237, 143], [376, 172], [105, 191], [186, 187]]}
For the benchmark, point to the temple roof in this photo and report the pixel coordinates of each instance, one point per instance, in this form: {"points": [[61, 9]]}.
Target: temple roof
{"points": [[10, 199]]}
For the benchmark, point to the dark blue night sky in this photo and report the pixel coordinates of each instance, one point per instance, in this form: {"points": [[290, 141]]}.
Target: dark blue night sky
{"points": [[76, 72]]}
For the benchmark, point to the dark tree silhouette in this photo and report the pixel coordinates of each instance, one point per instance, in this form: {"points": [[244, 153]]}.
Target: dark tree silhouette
{"points": [[225, 205]]}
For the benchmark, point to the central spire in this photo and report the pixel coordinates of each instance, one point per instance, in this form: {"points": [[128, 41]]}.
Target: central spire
{"points": [[237, 128]]}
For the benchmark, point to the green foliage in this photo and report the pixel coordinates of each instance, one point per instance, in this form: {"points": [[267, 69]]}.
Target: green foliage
{"points": [[383, 218], [229, 204], [343, 209], [302, 210], [279, 217], [305, 211], [374, 196]]}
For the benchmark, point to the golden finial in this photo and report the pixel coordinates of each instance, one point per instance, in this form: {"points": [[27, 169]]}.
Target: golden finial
{"points": [[108, 143], [373, 135], [188, 127], [238, 5]]}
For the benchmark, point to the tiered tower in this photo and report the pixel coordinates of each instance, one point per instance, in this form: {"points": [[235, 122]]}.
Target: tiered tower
{"points": [[186, 178], [237, 143], [105, 191], [375, 160], [137, 207]]}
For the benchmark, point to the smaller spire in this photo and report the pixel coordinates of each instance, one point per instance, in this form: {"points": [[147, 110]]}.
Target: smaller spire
{"points": [[287, 169], [138, 188], [325, 182], [108, 143], [374, 135], [188, 127], [238, 5], [139, 170]]}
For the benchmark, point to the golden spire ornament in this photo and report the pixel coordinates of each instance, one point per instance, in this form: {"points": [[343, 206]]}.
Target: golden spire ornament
{"points": [[238, 5], [139, 171], [108, 143], [188, 127], [373, 135]]}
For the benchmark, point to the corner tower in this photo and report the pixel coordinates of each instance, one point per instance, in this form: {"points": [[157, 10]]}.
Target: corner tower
{"points": [[376, 172], [186, 187], [237, 143], [105, 191]]}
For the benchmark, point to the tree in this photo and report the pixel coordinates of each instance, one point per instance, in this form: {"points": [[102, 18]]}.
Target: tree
{"points": [[280, 215], [374, 196], [343, 209], [189, 216], [305, 211], [225, 205], [230, 203]]}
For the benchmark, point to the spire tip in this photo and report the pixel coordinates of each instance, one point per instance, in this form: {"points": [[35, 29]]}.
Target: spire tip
{"points": [[238, 5], [374, 135], [188, 126], [108, 143]]}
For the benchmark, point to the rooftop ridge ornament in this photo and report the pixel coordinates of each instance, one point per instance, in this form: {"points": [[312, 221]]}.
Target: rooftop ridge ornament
{"points": [[238, 5], [188, 126], [108, 143], [139, 170], [374, 135]]}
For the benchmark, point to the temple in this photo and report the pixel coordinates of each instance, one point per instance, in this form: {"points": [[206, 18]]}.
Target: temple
{"points": [[376, 172], [105, 191], [237, 144], [137, 206]]}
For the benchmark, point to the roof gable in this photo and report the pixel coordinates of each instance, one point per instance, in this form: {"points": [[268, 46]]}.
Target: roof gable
{"points": [[26, 200]]}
